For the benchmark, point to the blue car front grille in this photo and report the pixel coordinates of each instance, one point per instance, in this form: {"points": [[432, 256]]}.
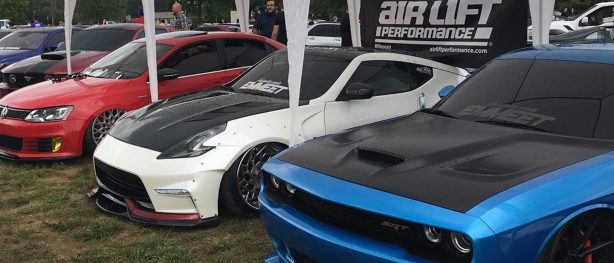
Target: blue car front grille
{"points": [[371, 225]]}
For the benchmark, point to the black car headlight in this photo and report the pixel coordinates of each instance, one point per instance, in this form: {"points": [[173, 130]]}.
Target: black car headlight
{"points": [[49, 114], [194, 146]]}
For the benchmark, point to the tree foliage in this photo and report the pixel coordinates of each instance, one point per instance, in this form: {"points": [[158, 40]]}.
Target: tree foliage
{"points": [[94, 11], [14, 10]]}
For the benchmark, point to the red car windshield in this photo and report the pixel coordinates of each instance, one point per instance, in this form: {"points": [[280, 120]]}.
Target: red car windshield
{"points": [[23, 40], [127, 62]]}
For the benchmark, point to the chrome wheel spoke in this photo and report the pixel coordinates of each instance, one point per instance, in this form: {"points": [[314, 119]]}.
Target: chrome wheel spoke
{"points": [[103, 123]]}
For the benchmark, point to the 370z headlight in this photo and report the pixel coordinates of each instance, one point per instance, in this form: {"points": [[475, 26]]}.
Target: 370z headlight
{"points": [[49, 114], [194, 146]]}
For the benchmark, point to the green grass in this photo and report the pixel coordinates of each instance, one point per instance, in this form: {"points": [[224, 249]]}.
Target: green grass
{"points": [[45, 216]]}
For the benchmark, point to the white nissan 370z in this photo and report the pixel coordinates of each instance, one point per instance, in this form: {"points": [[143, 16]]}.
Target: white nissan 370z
{"points": [[177, 161]]}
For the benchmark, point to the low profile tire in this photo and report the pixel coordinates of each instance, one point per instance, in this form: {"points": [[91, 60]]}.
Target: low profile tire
{"points": [[588, 238], [99, 127], [241, 183]]}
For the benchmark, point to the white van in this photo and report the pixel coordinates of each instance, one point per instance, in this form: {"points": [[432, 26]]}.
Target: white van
{"points": [[4, 23]]}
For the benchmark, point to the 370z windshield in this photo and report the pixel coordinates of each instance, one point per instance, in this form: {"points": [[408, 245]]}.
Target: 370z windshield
{"points": [[563, 97], [127, 62], [270, 77]]}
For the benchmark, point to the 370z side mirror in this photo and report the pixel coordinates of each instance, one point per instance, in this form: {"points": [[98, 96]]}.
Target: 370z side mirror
{"points": [[445, 91], [583, 21], [167, 74], [358, 91]]}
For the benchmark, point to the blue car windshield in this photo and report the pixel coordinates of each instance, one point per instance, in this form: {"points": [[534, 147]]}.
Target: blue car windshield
{"points": [[562, 97], [127, 62], [23, 40]]}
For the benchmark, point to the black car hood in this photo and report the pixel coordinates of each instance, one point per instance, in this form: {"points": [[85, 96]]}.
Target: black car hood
{"points": [[446, 162], [168, 122]]}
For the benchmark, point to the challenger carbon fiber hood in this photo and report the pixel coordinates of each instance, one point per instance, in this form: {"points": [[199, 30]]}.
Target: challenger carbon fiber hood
{"points": [[168, 122], [447, 162]]}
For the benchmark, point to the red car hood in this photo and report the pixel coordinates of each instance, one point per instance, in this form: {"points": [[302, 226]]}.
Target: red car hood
{"points": [[55, 62], [68, 92]]}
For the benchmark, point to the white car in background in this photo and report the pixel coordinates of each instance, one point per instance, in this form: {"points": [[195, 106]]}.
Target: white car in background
{"points": [[599, 14], [324, 34], [4, 23], [176, 161]]}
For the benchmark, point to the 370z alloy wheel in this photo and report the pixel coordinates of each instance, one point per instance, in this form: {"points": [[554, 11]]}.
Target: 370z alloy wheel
{"points": [[587, 239], [248, 172], [101, 125]]}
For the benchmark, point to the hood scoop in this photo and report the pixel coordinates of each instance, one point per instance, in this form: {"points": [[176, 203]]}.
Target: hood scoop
{"points": [[378, 158], [58, 55]]}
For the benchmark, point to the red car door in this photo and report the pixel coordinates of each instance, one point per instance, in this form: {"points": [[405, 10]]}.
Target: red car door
{"points": [[200, 66]]}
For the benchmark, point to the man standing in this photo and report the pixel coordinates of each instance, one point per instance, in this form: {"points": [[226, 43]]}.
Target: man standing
{"points": [[265, 21], [180, 22], [279, 29]]}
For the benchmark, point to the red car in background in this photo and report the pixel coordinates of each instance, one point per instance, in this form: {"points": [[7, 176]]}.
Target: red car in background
{"points": [[63, 119], [88, 46]]}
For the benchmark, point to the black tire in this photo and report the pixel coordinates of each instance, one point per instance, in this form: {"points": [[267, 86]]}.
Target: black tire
{"points": [[241, 183], [98, 128], [574, 241]]}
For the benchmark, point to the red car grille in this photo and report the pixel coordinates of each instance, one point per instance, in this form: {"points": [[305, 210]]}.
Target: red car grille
{"points": [[37, 145]]}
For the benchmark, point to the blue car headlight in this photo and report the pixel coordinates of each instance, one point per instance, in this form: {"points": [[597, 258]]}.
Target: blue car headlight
{"points": [[194, 146]]}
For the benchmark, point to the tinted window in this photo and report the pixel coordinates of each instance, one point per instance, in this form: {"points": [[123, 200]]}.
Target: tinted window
{"points": [[127, 62], [23, 40], [244, 53], [270, 77], [570, 98], [56, 39], [100, 39], [195, 59], [3, 34], [602, 15], [322, 31], [389, 77]]}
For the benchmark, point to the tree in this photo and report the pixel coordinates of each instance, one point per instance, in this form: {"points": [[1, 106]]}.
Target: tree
{"points": [[94, 11], [14, 10]]}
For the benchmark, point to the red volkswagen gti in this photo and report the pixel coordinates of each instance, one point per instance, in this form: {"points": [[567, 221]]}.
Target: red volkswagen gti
{"points": [[90, 45], [63, 119]]}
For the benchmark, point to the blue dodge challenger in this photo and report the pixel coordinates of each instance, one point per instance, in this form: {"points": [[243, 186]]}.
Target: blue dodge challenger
{"points": [[516, 165]]}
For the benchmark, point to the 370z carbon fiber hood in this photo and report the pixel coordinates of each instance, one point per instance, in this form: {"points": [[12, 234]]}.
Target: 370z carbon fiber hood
{"points": [[442, 161], [167, 122]]}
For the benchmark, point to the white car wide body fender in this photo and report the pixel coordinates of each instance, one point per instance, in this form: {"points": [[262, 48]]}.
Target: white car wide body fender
{"points": [[202, 175]]}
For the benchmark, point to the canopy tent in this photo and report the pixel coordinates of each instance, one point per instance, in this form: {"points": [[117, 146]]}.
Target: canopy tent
{"points": [[541, 17], [296, 21]]}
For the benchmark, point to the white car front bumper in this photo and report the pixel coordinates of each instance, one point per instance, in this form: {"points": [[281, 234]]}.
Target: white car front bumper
{"points": [[182, 191]]}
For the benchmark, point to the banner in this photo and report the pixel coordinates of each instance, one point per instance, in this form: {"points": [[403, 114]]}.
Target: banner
{"points": [[462, 33]]}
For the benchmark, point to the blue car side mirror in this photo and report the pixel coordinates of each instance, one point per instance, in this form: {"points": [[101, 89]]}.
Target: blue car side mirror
{"points": [[446, 90]]}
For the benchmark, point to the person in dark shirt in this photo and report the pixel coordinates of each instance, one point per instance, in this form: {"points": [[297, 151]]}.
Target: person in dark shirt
{"points": [[346, 32], [265, 21], [279, 29]]}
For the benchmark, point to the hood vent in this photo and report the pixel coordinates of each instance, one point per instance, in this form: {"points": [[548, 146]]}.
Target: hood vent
{"points": [[378, 158]]}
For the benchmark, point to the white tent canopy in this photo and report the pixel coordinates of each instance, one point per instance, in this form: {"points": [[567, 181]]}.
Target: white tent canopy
{"points": [[296, 22]]}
